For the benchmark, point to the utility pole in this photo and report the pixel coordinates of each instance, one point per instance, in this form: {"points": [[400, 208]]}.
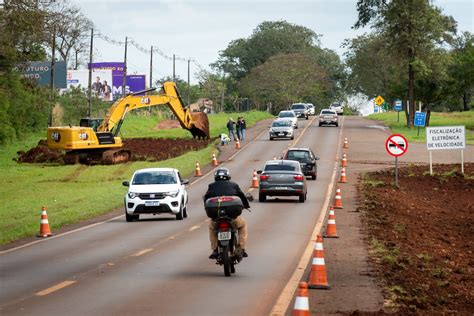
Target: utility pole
{"points": [[174, 68], [189, 83], [124, 80], [89, 86], [51, 84], [151, 67]]}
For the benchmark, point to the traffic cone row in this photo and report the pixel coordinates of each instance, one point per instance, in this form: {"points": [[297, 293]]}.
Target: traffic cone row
{"points": [[346, 144], [317, 276], [338, 198], [343, 178], [198, 170], [344, 160], [301, 307], [331, 231], [254, 180], [214, 160], [44, 231]]}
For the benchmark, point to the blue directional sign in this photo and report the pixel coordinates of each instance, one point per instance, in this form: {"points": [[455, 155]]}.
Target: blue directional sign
{"points": [[398, 105], [420, 119]]}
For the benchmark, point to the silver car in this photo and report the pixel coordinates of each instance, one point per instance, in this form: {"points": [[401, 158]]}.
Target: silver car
{"points": [[328, 117], [282, 178], [301, 110], [281, 128], [291, 115]]}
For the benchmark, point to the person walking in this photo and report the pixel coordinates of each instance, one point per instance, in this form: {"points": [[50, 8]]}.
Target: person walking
{"points": [[230, 128], [238, 127]]}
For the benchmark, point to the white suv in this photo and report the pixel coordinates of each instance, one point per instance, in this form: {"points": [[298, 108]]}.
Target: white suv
{"points": [[156, 191], [337, 107]]}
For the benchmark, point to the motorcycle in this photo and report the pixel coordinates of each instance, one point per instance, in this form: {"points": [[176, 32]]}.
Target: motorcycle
{"points": [[223, 211]]}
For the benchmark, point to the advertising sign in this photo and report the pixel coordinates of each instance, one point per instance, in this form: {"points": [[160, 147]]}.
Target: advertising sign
{"points": [[41, 72], [133, 83], [445, 137]]}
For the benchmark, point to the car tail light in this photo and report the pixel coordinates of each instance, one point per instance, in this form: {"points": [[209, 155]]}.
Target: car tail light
{"points": [[264, 177], [222, 199], [223, 225], [298, 177]]}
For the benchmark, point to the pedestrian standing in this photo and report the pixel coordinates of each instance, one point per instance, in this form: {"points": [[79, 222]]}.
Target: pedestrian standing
{"points": [[230, 128], [243, 127], [238, 127]]}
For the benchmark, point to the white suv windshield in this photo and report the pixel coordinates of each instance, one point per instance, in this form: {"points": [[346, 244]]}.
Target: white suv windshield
{"points": [[155, 177]]}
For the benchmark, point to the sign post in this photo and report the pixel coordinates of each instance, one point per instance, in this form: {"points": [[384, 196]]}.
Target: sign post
{"points": [[396, 145], [446, 138], [398, 108]]}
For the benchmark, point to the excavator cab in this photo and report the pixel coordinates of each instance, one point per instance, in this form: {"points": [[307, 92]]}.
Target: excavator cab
{"points": [[93, 123]]}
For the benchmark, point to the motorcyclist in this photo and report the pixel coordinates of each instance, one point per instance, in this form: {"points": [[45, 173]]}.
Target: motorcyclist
{"points": [[223, 186]]}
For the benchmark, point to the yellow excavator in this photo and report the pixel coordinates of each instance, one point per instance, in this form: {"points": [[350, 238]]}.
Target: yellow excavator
{"points": [[98, 140]]}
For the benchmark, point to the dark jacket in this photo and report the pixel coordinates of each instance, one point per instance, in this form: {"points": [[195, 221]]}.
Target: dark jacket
{"points": [[230, 125], [220, 188]]}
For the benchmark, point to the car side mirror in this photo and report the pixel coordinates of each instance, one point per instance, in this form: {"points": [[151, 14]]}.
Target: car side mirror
{"points": [[185, 182], [126, 184], [259, 171], [317, 158]]}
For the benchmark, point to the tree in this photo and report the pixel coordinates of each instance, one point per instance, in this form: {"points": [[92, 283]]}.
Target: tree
{"points": [[462, 69], [268, 39], [414, 28], [285, 79]]}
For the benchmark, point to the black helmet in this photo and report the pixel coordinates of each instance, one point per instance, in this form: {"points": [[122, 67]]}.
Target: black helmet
{"points": [[222, 174]]}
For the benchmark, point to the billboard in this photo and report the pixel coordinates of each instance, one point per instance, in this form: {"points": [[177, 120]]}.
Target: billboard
{"points": [[41, 72], [133, 83], [80, 78]]}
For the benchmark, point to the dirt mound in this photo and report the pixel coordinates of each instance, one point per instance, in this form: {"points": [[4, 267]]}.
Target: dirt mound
{"points": [[168, 124], [421, 236], [40, 154], [156, 149]]}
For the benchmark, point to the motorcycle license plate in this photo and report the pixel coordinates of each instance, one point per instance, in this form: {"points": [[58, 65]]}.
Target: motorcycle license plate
{"points": [[223, 235], [152, 203]]}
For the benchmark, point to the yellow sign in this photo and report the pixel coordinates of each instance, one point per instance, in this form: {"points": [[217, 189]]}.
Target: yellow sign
{"points": [[379, 100]]}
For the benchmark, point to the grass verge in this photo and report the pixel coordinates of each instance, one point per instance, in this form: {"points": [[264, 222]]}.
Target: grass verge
{"points": [[437, 119]]}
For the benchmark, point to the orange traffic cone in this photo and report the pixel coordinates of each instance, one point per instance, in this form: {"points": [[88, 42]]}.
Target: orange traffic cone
{"points": [[338, 198], [343, 176], [344, 161], [302, 301], [214, 160], [254, 179], [346, 144], [237, 144], [198, 170], [45, 231], [331, 231], [317, 276]]}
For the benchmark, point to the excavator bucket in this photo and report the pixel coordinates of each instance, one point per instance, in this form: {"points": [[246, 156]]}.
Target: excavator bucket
{"points": [[200, 124]]}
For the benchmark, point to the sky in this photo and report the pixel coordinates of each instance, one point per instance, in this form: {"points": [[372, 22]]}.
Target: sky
{"points": [[200, 29]]}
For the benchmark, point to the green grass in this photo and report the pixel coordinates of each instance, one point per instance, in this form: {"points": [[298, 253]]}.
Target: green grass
{"points": [[437, 119], [75, 193]]}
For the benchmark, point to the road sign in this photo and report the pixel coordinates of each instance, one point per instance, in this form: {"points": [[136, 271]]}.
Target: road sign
{"points": [[396, 145], [420, 119], [379, 100], [376, 109], [398, 105], [445, 137]]}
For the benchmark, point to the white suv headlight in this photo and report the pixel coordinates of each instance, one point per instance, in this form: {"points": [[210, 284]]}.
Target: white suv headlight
{"points": [[132, 195], [172, 193]]}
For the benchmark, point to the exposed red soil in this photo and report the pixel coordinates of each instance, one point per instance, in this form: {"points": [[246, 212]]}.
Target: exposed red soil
{"points": [[421, 237], [154, 149], [168, 124]]}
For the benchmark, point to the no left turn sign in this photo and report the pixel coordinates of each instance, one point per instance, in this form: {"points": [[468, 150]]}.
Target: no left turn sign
{"points": [[396, 145]]}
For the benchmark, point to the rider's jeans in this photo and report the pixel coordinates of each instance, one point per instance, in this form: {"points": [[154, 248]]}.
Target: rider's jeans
{"points": [[241, 226]]}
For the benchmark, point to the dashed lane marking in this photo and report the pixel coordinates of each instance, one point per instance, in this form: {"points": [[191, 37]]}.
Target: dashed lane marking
{"points": [[142, 252], [55, 288], [194, 228]]}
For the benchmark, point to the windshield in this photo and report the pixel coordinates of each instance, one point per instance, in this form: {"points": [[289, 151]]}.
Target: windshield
{"points": [[287, 114], [280, 167], [327, 112], [298, 155], [281, 123], [155, 177], [298, 107]]}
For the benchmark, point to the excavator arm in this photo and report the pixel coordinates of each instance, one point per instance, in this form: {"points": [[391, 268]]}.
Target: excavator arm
{"points": [[197, 123]]}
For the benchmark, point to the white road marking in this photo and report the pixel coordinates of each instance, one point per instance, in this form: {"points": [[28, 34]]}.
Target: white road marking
{"points": [[286, 295], [55, 288], [142, 252], [194, 228]]}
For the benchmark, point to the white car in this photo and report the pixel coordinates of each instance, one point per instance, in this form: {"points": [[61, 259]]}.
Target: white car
{"points": [[337, 107], [281, 128], [156, 191], [328, 117], [291, 115], [311, 109]]}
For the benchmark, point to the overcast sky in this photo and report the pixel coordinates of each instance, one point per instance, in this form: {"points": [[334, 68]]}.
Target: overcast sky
{"points": [[199, 29]]}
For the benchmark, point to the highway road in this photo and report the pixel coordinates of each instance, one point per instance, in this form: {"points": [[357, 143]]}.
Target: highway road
{"points": [[159, 266]]}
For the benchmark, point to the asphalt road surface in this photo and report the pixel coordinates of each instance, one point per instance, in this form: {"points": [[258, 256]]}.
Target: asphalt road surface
{"points": [[159, 266]]}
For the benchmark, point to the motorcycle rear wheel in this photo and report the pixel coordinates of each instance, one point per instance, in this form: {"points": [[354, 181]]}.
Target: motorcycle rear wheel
{"points": [[226, 261]]}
